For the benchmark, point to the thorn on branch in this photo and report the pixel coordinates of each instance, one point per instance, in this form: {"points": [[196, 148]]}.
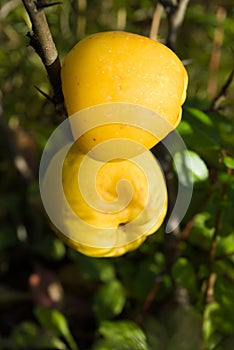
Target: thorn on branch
{"points": [[48, 97], [41, 4]]}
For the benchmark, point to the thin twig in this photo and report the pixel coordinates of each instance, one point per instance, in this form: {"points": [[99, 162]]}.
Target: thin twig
{"points": [[222, 94], [216, 52], [225, 256], [150, 297], [156, 22], [175, 11], [41, 40], [8, 7], [208, 293]]}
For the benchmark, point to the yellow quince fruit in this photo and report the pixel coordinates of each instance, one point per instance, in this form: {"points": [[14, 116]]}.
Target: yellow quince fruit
{"points": [[121, 67], [104, 209]]}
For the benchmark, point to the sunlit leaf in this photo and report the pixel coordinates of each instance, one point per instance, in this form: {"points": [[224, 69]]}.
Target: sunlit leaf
{"points": [[190, 167], [198, 130], [209, 325], [121, 335], [229, 162], [56, 322], [225, 245], [110, 300]]}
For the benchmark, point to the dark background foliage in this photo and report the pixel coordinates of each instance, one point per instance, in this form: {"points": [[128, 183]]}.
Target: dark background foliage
{"points": [[177, 290]]}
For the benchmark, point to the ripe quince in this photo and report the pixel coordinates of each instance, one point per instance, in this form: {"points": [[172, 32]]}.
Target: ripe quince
{"points": [[104, 209], [127, 68]]}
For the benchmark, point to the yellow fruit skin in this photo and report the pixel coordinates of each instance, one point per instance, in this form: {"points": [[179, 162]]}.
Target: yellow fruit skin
{"points": [[108, 176], [123, 67], [95, 252], [104, 233]]}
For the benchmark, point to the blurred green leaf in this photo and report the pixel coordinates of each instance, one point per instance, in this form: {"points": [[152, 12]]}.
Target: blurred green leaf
{"points": [[226, 226], [209, 323], [144, 278], [94, 268], [121, 335], [225, 245], [229, 162], [201, 234], [198, 130], [218, 316], [225, 128], [55, 321], [190, 167], [109, 300], [224, 295], [184, 275], [224, 177], [28, 335], [50, 247], [25, 334]]}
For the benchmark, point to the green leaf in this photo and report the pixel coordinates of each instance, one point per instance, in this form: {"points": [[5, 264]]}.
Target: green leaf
{"points": [[110, 300], [94, 268], [225, 245], [184, 275], [201, 233], [226, 178], [225, 127], [121, 335], [224, 294], [28, 335], [51, 248], [198, 130], [229, 162], [218, 316], [56, 322], [209, 324], [190, 167], [25, 334], [226, 227]]}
